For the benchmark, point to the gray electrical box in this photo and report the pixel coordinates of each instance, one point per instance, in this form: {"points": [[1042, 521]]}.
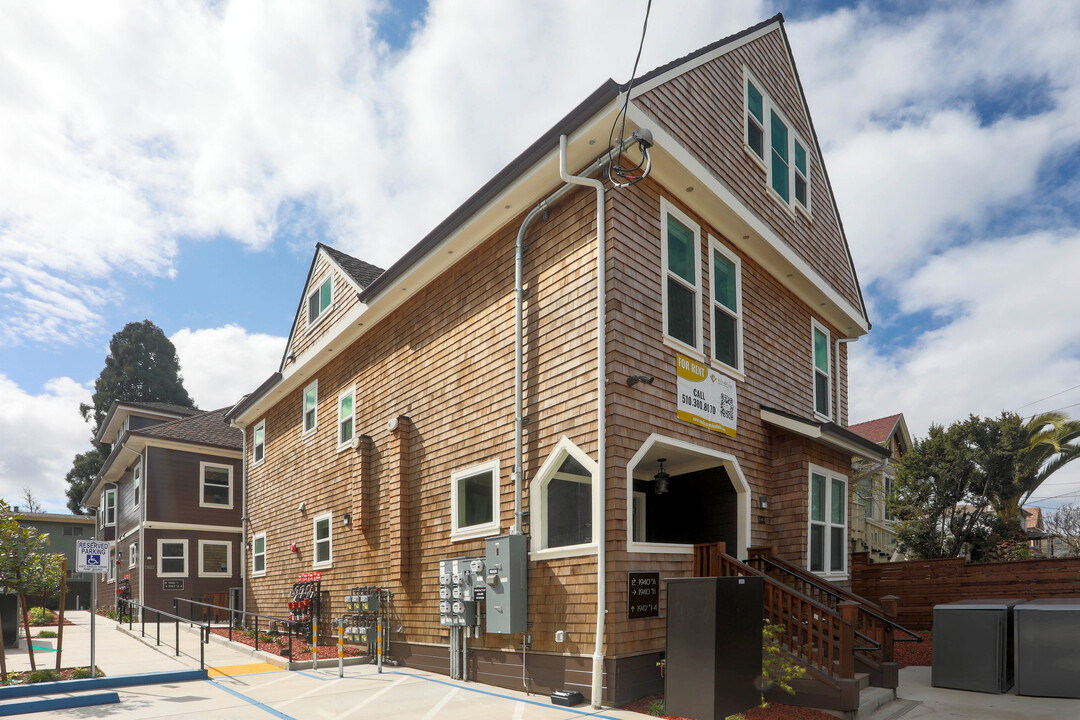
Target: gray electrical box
{"points": [[507, 572]]}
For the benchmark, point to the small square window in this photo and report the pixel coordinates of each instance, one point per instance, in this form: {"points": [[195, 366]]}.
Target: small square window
{"points": [[475, 501], [215, 558], [172, 558], [216, 485], [320, 299]]}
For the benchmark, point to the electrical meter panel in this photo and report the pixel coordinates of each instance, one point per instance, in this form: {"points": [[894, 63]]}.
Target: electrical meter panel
{"points": [[506, 573], [461, 586], [364, 607], [303, 602]]}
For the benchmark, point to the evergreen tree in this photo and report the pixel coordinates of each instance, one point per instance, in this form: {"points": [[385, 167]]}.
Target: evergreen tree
{"points": [[141, 366]]}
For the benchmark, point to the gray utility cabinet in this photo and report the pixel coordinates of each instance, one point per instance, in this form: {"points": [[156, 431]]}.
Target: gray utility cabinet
{"points": [[713, 665], [507, 565], [1048, 648], [973, 645]]}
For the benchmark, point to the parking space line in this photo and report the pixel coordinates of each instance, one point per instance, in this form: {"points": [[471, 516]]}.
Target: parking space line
{"points": [[312, 691], [373, 697], [519, 711], [252, 701], [433, 712], [572, 711]]}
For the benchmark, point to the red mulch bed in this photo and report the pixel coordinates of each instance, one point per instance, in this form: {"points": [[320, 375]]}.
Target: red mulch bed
{"points": [[300, 649], [907, 654], [774, 711]]}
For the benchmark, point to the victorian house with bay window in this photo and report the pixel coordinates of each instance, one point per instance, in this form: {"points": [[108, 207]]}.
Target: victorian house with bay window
{"points": [[626, 375]]}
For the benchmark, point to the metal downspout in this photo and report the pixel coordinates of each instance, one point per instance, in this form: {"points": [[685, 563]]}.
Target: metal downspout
{"points": [[601, 426]]}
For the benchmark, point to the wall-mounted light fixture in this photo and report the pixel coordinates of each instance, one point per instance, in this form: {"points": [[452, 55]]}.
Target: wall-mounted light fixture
{"points": [[248, 545], [635, 379], [301, 508], [763, 502], [760, 519], [348, 518], [660, 478]]}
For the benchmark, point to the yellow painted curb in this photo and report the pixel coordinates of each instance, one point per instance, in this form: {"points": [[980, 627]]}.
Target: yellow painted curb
{"points": [[231, 670]]}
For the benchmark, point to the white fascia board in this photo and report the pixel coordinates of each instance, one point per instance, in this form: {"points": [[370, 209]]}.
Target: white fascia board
{"points": [[522, 195], [677, 168], [813, 432], [193, 447], [683, 68]]}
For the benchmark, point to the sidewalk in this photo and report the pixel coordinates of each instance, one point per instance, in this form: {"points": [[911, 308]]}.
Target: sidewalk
{"points": [[947, 703]]}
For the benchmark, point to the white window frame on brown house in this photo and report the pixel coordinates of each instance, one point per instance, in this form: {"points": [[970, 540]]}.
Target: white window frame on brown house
{"points": [[108, 505], [133, 555], [258, 448], [794, 141], [738, 370], [317, 564], [342, 441], [828, 524], [161, 557], [816, 327], [203, 467], [228, 558], [481, 529], [136, 482], [255, 554], [313, 410], [327, 281], [538, 500], [696, 350]]}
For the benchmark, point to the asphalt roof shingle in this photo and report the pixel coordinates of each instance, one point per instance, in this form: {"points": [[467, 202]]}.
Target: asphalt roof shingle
{"points": [[362, 272], [207, 428], [878, 431]]}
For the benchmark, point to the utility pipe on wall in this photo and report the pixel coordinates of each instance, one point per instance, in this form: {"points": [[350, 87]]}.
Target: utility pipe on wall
{"points": [[601, 406]]}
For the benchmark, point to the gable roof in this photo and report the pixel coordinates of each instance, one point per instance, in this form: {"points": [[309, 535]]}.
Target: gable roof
{"points": [[362, 273], [878, 431], [120, 409]]}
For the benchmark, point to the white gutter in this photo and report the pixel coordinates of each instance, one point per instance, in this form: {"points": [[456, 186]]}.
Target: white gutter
{"points": [[601, 406]]}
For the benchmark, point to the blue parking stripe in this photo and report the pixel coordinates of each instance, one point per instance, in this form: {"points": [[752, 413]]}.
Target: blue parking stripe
{"points": [[580, 713], [254, 702]]}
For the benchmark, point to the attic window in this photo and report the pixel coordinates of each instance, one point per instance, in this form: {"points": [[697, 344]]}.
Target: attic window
{"points": [[773, 143], [319, 300], [755, 120]]}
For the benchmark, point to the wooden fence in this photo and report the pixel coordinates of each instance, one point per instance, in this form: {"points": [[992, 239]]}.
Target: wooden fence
{"points": [[922, 584]]}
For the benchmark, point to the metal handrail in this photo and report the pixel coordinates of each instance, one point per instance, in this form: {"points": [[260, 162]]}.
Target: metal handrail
{"points": [[243, 614], [204, 630]]}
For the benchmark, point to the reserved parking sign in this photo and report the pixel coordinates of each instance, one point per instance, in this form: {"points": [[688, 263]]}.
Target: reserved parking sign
{"points": [[91, 556]]}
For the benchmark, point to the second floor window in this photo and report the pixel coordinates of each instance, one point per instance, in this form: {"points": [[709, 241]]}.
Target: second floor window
{"points": [[346, 416], [216, 485], [136, 481], [680, 242], [258, 450], [133, 555], [822, 379], [311, 406], [110, 507], [727, 306], [323, 539]]}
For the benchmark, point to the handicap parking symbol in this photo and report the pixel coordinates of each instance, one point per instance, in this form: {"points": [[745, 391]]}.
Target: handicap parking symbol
{"points": [[93, 560]]}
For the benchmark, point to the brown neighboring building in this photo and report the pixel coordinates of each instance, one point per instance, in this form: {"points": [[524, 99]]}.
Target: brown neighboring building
{"points": [[387, 441], [170, 499]]}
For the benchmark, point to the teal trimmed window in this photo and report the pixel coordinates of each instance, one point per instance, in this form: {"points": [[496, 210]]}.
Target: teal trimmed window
{"points": [[787, 163], [755, 119], [346, 416], [780, 164], [828, 522], [311, 405], [680, 240], [802, 174], [726, 306], [822, 389], [320, 299]]}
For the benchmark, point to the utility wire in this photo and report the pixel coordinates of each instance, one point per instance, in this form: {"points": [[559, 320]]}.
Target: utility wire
{"points": [[1074, 387], [1053, 411], [626, 104]]}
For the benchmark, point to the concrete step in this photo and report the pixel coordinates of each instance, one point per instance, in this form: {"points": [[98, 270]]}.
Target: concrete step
{"points": [[892, 710], [876, 703]]}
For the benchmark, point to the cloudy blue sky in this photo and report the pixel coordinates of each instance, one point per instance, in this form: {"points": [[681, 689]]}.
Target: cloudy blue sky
{"points": [[178, 161]]}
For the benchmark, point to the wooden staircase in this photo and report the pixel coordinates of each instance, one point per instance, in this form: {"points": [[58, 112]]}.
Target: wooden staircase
{"points": [[844, 641]]}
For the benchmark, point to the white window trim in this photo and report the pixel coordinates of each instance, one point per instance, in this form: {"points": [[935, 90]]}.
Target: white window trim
{"points": [[539, 549], [228, 558], [316, 289], [342, 444], [136, 483], [767, 107], [133, 552], [829, 476], [105, 503], [254, 538], [667, 208], [329, 517], [305, 431], [738, 373], [261, 425], [202, 485], [815, 325], [160, 559], [484, 529]]}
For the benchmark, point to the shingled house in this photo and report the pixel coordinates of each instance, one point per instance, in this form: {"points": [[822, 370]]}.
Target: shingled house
{"points": [[675, 388], [872, 528], [169, 498]]}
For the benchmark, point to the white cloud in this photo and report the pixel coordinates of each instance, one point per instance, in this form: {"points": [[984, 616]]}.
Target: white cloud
{"points": [[39, 437], [221, 365]]}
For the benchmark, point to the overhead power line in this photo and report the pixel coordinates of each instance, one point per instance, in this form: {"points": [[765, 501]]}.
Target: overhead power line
{"points": [[1062, 392]]}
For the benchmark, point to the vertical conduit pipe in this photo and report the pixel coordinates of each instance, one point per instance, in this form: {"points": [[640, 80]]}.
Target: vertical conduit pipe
{"points": [[601, 428]]}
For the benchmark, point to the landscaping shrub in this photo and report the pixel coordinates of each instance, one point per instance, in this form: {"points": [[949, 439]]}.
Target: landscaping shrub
{"points": [[47, 634], [37, 676], [42, 616]]}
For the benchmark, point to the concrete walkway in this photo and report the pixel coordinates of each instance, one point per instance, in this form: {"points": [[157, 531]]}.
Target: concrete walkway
{"points": [[947, 703]]}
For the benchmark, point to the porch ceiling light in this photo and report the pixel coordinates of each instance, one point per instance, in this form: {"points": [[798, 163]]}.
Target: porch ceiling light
{"points": [[661, 478]]}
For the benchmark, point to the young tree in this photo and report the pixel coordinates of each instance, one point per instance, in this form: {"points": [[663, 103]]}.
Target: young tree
{"points": [[141, 366], [25, 567], [30, 502], [1063, 525]]}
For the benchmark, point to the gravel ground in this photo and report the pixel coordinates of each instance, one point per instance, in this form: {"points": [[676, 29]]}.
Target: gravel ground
{"points": [[907, 654], [300, 649]]}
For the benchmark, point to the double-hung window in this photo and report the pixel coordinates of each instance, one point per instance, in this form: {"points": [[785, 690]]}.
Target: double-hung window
{"points": [[822, 377], [258, 450], [346, 416], [323, 541], [136, 482], [311, 407], [680, 240], [215, 558], [216, 486], [172, 558], [474, 500], [320, 298], [258, 554], [775, 144], [110, 507], [133, 555], [726, 280], [828, 522]]}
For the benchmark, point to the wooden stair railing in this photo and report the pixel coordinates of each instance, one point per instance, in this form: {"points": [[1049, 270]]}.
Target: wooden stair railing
{"points": [[818, 637], [874, 622]]}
